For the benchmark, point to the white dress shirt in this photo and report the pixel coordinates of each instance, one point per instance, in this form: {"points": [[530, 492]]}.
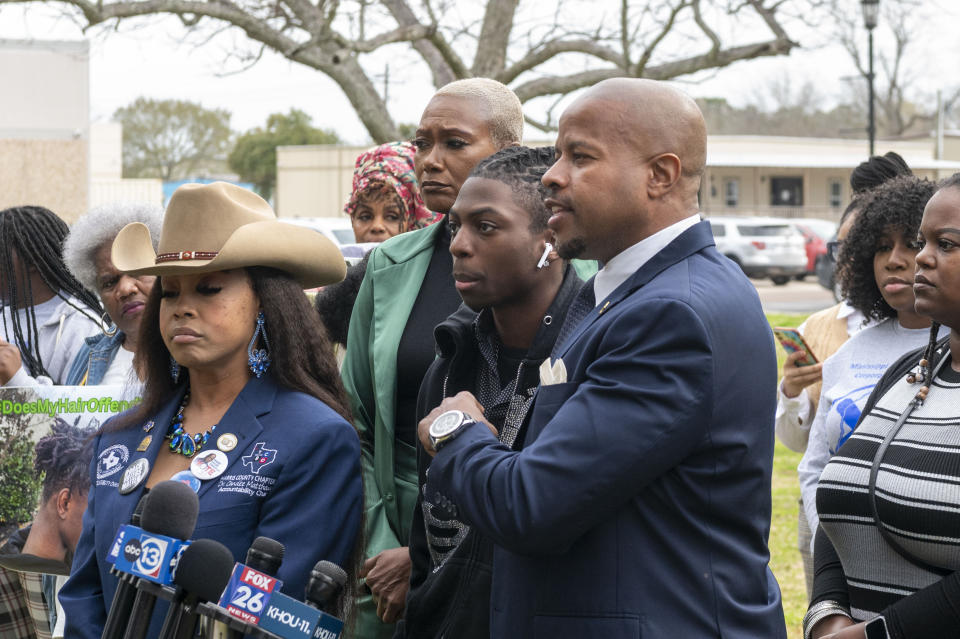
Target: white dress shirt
{"points": [[626, 262]]}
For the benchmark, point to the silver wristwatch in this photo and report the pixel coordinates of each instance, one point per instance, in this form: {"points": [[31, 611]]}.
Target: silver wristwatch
{"points": [[447, 426]]}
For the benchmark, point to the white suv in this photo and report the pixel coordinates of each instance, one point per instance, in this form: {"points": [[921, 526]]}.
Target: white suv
{"points": [[762, 246]]}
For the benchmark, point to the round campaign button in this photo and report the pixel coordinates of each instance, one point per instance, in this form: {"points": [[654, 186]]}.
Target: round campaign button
{"points": [[208, 464], [186, 477], [227, 442], [134, 475]]}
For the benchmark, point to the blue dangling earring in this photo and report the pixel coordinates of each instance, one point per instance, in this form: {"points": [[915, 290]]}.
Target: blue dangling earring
{"points": [[174, 370], [259, 358]]}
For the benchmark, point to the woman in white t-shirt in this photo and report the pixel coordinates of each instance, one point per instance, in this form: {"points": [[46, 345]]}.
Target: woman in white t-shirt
{"points": [[107, 358], [875, 268]]}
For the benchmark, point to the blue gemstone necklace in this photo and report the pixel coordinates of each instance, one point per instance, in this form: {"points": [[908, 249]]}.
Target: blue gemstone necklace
{"points": [[182, 442]]}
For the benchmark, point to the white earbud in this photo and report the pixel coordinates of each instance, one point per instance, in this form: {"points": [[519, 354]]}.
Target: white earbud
{"points": [[543, 258]]}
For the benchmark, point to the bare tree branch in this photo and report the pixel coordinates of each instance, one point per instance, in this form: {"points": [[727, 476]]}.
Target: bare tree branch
{"points": [[629, 43], [491, 54], [564, 84], [443, 64], [707, 31], [641, 65], [403, 34], [554, 48]]}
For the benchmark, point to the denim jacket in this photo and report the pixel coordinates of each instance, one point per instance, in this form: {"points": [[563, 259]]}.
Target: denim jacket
{"points": [[93, 359]]}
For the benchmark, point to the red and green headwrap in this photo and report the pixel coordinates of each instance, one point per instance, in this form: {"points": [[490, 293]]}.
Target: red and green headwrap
{"points": [[392, 164]]}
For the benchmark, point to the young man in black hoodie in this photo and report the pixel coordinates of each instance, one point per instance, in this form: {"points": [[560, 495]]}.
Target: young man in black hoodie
{"points": [[516, 292]]}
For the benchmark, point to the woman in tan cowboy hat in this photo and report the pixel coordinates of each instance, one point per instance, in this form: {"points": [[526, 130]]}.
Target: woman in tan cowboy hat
{"points": [[237, 366]]}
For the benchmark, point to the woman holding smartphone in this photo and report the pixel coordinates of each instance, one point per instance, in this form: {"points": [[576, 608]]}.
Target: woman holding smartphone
{"points": [[876, 266]]}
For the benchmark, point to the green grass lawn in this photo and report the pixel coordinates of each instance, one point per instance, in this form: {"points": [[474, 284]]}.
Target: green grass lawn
{"points": [[784, 556]]}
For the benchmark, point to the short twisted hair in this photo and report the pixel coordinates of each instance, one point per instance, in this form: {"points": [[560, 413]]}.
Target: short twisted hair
{"points": [[521, 168], [62, 459], [101, 224], [897, 206], [503, 106]]}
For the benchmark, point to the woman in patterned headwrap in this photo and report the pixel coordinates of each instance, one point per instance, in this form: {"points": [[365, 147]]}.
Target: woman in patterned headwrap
{"points": [[385, 200]]}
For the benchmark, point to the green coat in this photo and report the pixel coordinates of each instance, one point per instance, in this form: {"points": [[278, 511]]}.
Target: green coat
{"points": [[394, 275]]}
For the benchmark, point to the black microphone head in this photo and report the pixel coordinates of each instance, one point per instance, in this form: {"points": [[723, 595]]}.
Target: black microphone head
{"points": [[265, 555], [327, 579], [171, 510], [138, 511], [204, 569]]}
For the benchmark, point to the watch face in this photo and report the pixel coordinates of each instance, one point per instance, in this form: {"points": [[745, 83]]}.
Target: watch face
{"points": [[876, 629], [446, 423]]}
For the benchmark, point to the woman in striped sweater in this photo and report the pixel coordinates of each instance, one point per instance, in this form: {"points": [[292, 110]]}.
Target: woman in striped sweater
{"points": [[888, 550]]}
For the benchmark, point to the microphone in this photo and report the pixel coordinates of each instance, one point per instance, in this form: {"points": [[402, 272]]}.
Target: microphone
{"points": [[243, 598], [327, 581], [126, 591], [252, 584], [169, 516], [265, 555], [290, 619], [202, 574]]}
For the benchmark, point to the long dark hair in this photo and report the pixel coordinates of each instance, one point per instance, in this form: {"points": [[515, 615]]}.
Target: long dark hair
{"points": [[300, 352], [35, 235], [301, 359]]}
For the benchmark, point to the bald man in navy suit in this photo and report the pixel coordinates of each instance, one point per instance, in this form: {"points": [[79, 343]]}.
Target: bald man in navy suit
{"points": [[639, 504]]}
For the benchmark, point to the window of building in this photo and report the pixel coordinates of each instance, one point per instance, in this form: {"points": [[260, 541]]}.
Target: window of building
{"points": [[731, 192], [836, 193], [786, 191]]}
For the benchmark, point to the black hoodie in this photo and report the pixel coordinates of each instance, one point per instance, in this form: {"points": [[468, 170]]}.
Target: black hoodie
{"points": [[452, 599]]}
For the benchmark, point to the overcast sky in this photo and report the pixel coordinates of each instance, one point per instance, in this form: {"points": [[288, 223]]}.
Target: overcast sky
{"points": [[153, 60]]}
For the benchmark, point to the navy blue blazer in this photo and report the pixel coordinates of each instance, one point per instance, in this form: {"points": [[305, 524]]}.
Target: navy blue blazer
{"points": [[303, 488], [639, 505]]}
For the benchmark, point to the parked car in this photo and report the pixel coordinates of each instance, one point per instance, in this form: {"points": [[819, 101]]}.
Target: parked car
{"points": [[826, 270], [337, 229], [762, 246], [816, 233]]}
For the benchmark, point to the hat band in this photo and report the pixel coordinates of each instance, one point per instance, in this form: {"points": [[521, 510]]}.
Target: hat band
{"points": [[183, 256]]}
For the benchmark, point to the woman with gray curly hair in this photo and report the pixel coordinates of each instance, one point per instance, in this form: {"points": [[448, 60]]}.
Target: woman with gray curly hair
{"points": [[108, 358]]}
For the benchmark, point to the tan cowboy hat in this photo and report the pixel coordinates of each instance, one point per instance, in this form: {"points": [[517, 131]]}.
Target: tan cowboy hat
{"points": [[220, 226]]}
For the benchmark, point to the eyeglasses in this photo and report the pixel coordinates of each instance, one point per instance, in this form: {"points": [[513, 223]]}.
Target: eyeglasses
{"points": [[833, 249]]}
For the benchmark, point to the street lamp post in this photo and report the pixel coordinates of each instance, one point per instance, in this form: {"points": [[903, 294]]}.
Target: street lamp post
{"points": [[871, 12]]}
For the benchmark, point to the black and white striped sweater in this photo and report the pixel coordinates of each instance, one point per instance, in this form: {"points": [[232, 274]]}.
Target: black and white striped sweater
{"points": [[917, 489]]}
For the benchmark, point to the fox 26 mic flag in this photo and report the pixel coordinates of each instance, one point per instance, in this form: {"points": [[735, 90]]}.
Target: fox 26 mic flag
{"points": [[247, 593]]}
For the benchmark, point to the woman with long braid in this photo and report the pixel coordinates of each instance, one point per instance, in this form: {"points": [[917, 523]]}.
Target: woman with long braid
{"points": [[888, 550], [46, 313]]}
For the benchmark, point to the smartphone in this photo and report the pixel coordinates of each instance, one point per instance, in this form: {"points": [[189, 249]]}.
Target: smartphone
{"points": [[792, 341]]}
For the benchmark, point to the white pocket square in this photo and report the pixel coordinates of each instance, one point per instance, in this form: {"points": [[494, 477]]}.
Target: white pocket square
{"points": [[556, 374]]}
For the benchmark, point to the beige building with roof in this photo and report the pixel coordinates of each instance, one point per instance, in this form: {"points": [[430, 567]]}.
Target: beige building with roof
{"points": [[50, 153], [803, 177], [746, 174]]}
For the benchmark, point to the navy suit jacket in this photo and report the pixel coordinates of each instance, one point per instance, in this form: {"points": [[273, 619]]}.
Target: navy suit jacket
{"points": [[303, 489], [639, 505]]}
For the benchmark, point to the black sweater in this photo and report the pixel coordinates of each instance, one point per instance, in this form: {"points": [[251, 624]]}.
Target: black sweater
{"points": [[453, 599], [933, 611]]}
